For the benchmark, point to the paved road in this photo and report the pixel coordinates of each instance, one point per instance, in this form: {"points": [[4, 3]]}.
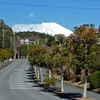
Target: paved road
{"points": [[74, 92], [16, 83]]}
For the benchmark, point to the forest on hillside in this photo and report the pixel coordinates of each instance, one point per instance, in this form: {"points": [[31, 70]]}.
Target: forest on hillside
{"points": [[44, 38]]}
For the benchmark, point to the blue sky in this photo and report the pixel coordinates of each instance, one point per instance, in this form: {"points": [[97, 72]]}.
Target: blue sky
{"points": [[67, 13]]}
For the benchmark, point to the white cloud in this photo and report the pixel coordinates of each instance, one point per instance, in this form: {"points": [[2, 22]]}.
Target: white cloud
{"points": [[31, 16], [23, 27]]}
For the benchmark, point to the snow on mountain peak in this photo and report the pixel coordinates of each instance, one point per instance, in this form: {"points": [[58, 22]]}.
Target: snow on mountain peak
{"points": [[50, 28], [53, 28]]}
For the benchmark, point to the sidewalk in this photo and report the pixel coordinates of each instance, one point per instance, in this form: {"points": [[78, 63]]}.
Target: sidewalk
{"points": [[71, 92]]}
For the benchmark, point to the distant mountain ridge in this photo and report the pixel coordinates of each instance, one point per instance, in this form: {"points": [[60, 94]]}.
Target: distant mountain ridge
{"points": [[50, 28], [53, 28]]}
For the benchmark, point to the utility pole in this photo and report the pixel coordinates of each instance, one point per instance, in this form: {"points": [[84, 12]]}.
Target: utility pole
{"points": [[14, 40], [10, 42], [3, 38], [14, 46]]}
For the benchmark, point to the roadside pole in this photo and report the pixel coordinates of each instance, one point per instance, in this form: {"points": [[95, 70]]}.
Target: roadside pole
{"points": [[3, 36]]}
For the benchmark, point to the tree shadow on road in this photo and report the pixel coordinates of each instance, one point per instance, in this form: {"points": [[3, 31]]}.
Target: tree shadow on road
{"points": [[62, 95], [70, 96]]}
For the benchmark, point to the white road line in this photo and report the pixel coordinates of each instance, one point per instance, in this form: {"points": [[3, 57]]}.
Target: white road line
{"points": [[20, 79]]}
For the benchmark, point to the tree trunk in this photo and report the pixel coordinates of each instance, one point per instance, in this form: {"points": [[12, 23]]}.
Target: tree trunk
{"points": [[49, 74], [85, 88], [0, 64], [62, 87], [35, 70], [41, 74], [38, 73]]}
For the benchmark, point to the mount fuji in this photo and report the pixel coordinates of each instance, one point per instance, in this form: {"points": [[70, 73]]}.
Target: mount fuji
{"points": [[50, 28]]}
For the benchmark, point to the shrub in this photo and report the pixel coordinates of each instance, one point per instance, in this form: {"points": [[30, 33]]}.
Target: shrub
{"points": [[47, 78], [95, 79], [50, 81]]}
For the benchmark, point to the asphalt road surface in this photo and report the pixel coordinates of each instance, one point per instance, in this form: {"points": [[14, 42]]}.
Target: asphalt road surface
{"points": [[16, 83]]}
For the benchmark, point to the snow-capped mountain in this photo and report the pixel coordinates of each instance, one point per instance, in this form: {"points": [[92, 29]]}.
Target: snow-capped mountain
{"points": [[50, 28]]}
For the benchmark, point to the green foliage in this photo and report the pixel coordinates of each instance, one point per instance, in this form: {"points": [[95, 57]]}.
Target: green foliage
{"points": [[58, 60], [47, 78], [5, 54], [1, 59], [10, 52], [36, 53], [47, 60], [60, 38], [23, 49], [83, 46], [8, 33], [50, 81], [49, 40], [95, 79], [24, 34], [43, 38]]}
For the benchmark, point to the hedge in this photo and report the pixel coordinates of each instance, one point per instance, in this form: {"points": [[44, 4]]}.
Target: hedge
{"points": [[95, 79]]}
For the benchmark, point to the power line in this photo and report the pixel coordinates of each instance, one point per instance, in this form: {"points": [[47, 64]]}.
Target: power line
{"points": [[93, 0], [49, 6]]}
